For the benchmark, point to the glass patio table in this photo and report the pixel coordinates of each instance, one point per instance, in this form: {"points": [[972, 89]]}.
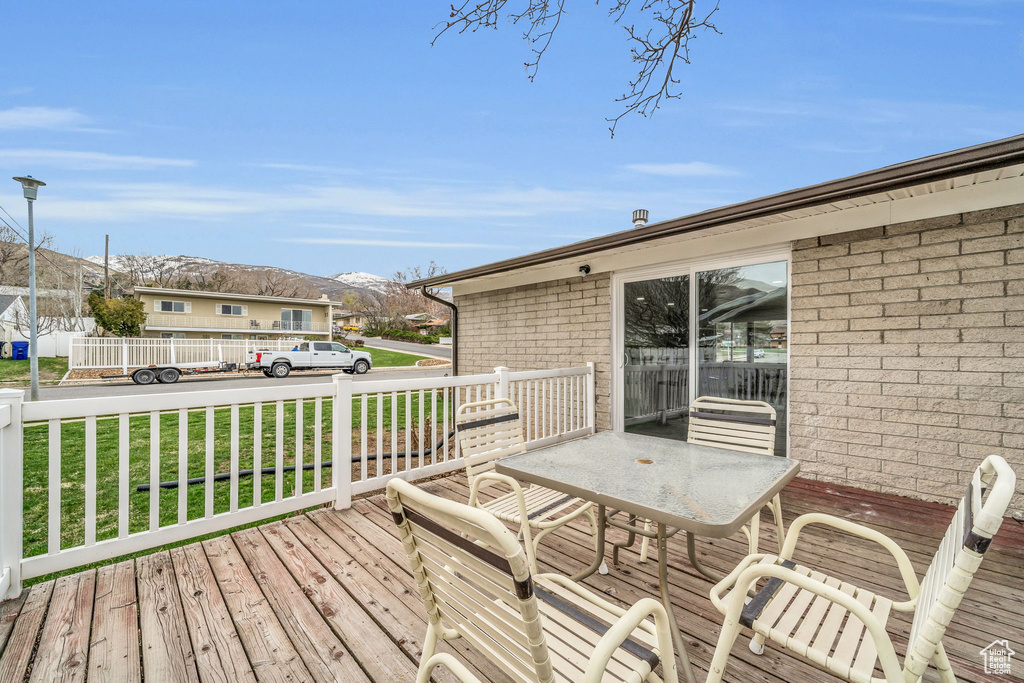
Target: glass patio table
{"points": [[701, 490]]}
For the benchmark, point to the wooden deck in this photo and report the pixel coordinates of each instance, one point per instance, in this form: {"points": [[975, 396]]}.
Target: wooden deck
{"points": [[326, 596]]}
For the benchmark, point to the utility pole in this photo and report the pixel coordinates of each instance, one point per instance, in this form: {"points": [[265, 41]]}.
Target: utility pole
{"points": [[106, 267]]}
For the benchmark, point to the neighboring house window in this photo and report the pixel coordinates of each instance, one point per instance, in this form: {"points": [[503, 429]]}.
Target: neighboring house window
{"points": [[231, 336], [173, 306], [172, 335], [296, 319], [232, 309]]}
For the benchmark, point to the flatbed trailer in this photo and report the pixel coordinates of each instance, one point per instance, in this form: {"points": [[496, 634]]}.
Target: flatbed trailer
{"points": [[171, 373]]}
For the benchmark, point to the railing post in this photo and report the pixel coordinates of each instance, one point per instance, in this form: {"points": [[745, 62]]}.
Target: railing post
{"points": [[71, 352], [501, 388], [11, 491], [341, 441], [591, 396], [124, 355]]}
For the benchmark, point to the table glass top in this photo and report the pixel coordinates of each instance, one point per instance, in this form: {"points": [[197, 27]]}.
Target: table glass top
{"points": [[709, 491]]}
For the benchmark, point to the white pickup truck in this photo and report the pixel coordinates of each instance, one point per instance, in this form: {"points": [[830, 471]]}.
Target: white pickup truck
{"points": [[309, 356]]}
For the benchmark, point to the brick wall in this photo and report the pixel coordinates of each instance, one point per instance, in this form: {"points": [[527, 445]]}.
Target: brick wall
{"points": [[907, 353], [564, 323]]}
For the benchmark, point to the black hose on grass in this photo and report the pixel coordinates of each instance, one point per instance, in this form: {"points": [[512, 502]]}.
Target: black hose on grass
{"points": [[224, 476]]}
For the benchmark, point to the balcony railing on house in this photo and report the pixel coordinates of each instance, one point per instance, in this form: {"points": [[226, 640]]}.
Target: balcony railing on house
{"points": [[227, 322], [134, 352], [86, 480]]}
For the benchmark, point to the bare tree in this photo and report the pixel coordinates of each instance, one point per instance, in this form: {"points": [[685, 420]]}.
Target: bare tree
{"points": [[658, 43], [14, 255], [148, 270]]}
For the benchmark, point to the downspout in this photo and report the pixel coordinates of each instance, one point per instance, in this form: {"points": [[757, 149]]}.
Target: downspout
{"points": [[454, 325]]}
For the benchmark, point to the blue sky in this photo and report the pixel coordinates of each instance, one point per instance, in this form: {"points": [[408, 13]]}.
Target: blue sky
{"points": [[327, 137]]}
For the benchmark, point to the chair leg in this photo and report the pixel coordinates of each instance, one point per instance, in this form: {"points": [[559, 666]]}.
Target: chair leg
{"points": [[429, 645], [592, 519], [646, 542], [780, 531], [941, 662], [726, 640], [757, 644], [530, 544]]}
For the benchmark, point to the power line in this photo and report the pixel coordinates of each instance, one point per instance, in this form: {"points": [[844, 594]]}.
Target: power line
{"points": [[38, 248]]}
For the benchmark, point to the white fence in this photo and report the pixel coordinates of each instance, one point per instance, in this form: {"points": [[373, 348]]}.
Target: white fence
{"points": [[211, 460], [134, 352]]}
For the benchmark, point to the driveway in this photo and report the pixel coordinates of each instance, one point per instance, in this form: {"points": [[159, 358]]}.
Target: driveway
{"points": [[256, 380], [408, 347]]}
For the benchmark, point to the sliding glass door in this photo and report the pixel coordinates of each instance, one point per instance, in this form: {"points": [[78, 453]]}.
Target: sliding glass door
{"points": [[702, 331]]}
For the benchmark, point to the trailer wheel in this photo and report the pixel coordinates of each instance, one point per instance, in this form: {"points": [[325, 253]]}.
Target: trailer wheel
{"points": [[143, 376], [280, 370], [361, 367], [168, 376], [267, 373]]}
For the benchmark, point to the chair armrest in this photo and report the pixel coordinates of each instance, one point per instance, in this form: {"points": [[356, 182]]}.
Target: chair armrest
{"points": [[479, 479], [749, 577], [621, 630], [902, 561], [727, 583], [454, 665]]}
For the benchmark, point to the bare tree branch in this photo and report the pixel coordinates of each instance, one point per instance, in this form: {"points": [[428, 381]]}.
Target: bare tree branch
{"points": [[658, 45]]}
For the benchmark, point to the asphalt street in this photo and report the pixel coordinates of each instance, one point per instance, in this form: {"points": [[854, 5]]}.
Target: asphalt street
{"points": [[408, 347], [256, 379]]}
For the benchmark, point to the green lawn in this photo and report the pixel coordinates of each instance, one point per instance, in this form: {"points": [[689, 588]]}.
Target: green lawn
{"points": [[16, 372], [385, 358], [73, 435]]}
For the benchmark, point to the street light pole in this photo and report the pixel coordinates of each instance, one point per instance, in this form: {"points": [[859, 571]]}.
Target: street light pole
{"points": [[30, 186]]}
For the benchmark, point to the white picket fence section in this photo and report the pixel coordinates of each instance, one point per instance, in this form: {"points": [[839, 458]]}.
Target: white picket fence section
{"points": [[247, 448], [97, 353]]}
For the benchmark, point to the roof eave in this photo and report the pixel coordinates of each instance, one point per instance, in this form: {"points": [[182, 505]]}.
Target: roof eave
{"points": [[934, 168]]}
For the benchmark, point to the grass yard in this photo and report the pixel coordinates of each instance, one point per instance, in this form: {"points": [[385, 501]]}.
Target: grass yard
{"points": [[15, 373], [278, 438], [386, 358]]}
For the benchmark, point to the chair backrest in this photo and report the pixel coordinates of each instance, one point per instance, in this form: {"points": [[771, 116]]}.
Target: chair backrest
{"points": [[730, 423], [976, 521], [473, 577], [488, 431]]}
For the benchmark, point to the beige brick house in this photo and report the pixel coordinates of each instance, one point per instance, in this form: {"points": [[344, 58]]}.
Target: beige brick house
{"points": [[189, 314], [897, 296]]}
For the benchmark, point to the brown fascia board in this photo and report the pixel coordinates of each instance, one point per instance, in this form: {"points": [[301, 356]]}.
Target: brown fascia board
{"points": [[975, 159]]}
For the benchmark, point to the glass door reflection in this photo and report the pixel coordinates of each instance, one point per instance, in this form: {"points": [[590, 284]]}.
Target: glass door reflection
{"points": [[656, 356], [742, 352]]}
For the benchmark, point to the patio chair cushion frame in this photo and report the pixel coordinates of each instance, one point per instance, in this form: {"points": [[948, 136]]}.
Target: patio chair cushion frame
{"points": [[841, 627], [475, 582], [490, 430]]}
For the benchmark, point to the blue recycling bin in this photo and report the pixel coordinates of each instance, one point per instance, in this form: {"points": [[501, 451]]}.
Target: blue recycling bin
{"points": [[19, 350]]}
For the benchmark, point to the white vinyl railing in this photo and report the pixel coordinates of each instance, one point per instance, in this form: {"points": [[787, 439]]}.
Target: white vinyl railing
{"points": [[135, 352], [86, 480], [227, 322]]}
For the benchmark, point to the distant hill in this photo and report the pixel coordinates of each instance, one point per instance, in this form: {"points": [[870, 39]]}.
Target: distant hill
{"points": [[196, 268]]}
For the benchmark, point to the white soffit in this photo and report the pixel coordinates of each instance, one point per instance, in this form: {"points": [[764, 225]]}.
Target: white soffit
{"points": [[974, 192]]}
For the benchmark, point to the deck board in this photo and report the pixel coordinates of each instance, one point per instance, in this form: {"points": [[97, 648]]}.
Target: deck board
{"points": [[328, 596]]}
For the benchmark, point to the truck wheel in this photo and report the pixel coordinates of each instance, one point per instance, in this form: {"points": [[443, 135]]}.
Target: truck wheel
{"points": [[168, 376], [280, 370], [143, 376], [361, 367]]}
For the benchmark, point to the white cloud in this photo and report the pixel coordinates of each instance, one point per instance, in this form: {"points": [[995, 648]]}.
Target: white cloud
{"points": [[307, 168], [686, 169], [45, 118], [950, 20], [394, 243], [87, 161]]}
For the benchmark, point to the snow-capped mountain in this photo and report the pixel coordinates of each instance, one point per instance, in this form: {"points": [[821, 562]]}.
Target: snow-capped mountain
{"points": [[198, 267], [362, 280]]}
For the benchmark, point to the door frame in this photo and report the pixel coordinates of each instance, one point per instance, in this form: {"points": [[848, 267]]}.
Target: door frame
{"points": [[778, 252]]}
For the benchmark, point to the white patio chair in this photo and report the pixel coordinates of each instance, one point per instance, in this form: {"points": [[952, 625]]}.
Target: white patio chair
{"points": [[841, 627], [475, 583], [490, 430], [747, 426], [462, 674]]}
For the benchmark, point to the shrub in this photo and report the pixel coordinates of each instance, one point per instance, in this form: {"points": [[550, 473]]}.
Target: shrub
{"points": [[408, 336]]}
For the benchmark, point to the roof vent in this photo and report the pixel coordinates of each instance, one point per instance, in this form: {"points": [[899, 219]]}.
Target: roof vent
{"points": [[640, 218]]}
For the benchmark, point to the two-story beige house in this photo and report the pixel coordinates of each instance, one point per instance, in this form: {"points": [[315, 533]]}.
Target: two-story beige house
{"points": [[189, 314]]}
